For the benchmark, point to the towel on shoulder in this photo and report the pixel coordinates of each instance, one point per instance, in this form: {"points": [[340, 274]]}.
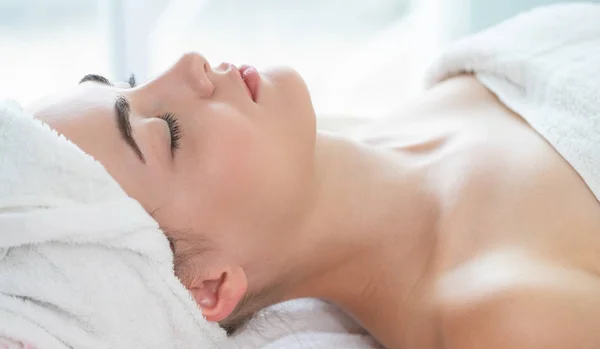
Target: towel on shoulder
{"points": [[544, 65]]}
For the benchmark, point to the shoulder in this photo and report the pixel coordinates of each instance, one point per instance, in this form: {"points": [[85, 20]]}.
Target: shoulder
{"points": [[521, 307]]}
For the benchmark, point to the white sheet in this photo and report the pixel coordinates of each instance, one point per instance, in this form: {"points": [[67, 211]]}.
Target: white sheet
{"points": [[302, 324]]}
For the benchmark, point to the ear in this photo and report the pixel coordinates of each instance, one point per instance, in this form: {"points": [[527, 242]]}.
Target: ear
{"points": [[219, 292]]}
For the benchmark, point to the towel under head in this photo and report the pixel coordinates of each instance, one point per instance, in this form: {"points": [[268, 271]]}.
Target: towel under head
{"points": [[82, 265]]}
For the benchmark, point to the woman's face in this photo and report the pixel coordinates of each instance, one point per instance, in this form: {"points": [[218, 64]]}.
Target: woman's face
{"points": [[211, 161]]}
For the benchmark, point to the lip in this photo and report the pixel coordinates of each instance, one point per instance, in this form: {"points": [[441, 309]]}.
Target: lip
{"points": [[252, 80]]}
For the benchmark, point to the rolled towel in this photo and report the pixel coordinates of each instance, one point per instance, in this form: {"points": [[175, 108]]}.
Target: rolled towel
{"points": [[82, 265]]}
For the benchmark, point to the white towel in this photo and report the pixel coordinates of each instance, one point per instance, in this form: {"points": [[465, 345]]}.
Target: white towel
{"points": [[545, 66], [82, 265], [302, 324]]}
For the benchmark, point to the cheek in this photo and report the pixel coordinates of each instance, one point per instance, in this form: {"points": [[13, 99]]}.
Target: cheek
{"points": [[228, 163], [249, 167]]}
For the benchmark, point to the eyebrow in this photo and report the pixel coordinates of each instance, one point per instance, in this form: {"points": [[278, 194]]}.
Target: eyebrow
{"points": [[102, 80], [122, 109], [124, 124], [96, 78]]}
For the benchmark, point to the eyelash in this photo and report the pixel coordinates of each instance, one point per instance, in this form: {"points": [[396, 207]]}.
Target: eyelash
{"points": [[131, 81], [174, 129]]}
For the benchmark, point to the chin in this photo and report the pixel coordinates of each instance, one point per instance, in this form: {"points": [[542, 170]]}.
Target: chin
{"points": [[284, 77], [290, 86], [279, 72]]}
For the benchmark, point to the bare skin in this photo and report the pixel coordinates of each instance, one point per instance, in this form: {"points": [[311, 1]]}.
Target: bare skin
{"points": [[485, 236], [452, 225], [504, 252]]}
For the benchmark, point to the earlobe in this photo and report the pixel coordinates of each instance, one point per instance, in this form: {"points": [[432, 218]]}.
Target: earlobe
{"points": [[219, 293]]}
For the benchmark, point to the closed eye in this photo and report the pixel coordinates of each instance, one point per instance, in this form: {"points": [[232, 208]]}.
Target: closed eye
{"points": [[174, 130]]}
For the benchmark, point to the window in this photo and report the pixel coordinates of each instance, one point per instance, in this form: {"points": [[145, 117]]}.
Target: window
{"points": [[359, 57]]}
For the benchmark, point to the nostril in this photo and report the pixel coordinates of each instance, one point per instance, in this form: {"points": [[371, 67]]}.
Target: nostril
{"points": [[195, 70], [224, 67], [202, 81]]}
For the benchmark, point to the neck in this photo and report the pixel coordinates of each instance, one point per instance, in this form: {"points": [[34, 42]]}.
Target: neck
{"points": [[369, 228]]}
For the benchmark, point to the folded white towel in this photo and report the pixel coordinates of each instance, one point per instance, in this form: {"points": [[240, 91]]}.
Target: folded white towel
{"points": [[545, 66], [82, 265]]}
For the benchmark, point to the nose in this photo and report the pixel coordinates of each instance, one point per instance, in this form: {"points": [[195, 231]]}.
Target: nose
{"points": [[193, 69], [225, 67]]}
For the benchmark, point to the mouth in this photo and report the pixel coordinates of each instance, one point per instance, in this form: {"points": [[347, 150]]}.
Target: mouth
{"points": [[252, 79]]}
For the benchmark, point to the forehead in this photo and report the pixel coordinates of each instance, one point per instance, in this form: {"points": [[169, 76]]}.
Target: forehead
{"points": [[76, 102], [86, 116], [83, 114]]}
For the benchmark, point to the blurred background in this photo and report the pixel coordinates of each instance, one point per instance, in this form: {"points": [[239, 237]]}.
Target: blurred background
{"points": [[387, 44]]}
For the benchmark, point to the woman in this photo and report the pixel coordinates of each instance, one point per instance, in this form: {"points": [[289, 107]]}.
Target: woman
{"points": [[453, 224]]}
